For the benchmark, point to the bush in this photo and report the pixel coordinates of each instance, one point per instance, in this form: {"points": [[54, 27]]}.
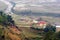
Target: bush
{"points": [[50, 35], [50, 27], [5, 19]]}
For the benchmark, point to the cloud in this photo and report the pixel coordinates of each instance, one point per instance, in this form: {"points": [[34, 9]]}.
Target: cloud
{"points": [[52, 6]]}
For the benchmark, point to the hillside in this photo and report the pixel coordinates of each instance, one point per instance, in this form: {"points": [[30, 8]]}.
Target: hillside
{"points": [[9, 31]]}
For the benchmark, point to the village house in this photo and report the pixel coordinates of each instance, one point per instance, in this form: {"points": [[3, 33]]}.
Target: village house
{"points": [[39, 24]]}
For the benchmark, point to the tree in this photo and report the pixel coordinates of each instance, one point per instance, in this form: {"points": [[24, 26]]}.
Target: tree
{"points": [[49, 35], [50, 27], [2, 17], [57, 36], [1, 13], [10, 20], [5, 19]]}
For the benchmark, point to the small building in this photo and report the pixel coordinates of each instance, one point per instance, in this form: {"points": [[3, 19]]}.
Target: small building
{"points": [[39, 24], [57, 28], [42, 24], [57, 24]]}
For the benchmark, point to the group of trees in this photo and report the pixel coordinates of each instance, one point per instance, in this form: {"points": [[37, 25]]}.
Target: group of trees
{"points": [[50, 35], [5, 19], [49, 27]]}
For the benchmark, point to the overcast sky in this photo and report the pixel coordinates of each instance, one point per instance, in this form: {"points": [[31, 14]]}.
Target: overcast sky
{"points": [[52, 6], [2, 5]]}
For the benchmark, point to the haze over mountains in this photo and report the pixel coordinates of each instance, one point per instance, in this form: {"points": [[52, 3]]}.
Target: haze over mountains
{"points": [[34, 6]]}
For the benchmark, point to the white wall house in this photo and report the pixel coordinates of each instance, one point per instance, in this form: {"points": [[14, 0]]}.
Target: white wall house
{"points": [[57, 25]]}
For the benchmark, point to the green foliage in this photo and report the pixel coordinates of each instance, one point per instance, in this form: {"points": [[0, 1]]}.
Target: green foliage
{"points": [[52, 35], [35, 38], [57, 36], [5, 19], [0, 31], [50, 32], [50, 27], [49, 35]]}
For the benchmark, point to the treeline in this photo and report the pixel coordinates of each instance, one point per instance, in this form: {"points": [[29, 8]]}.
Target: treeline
{"points": [[5, 19], [50, 35]]}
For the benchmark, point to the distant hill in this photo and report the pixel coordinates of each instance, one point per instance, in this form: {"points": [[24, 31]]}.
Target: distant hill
{"points": [[30, 13]]}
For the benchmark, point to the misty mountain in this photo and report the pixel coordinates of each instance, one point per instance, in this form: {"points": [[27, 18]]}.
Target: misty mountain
{"points": [[30, 13], [34, 9]]}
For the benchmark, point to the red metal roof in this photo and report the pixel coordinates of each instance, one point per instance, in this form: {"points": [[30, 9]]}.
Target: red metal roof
{"points": [[41, 22]]}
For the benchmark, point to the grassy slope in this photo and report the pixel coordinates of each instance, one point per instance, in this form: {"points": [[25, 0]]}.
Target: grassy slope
{"points": [[29, 32], [11, 33]]}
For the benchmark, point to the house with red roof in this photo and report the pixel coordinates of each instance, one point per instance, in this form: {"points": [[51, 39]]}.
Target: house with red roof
{"points": [[40, 24]]}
